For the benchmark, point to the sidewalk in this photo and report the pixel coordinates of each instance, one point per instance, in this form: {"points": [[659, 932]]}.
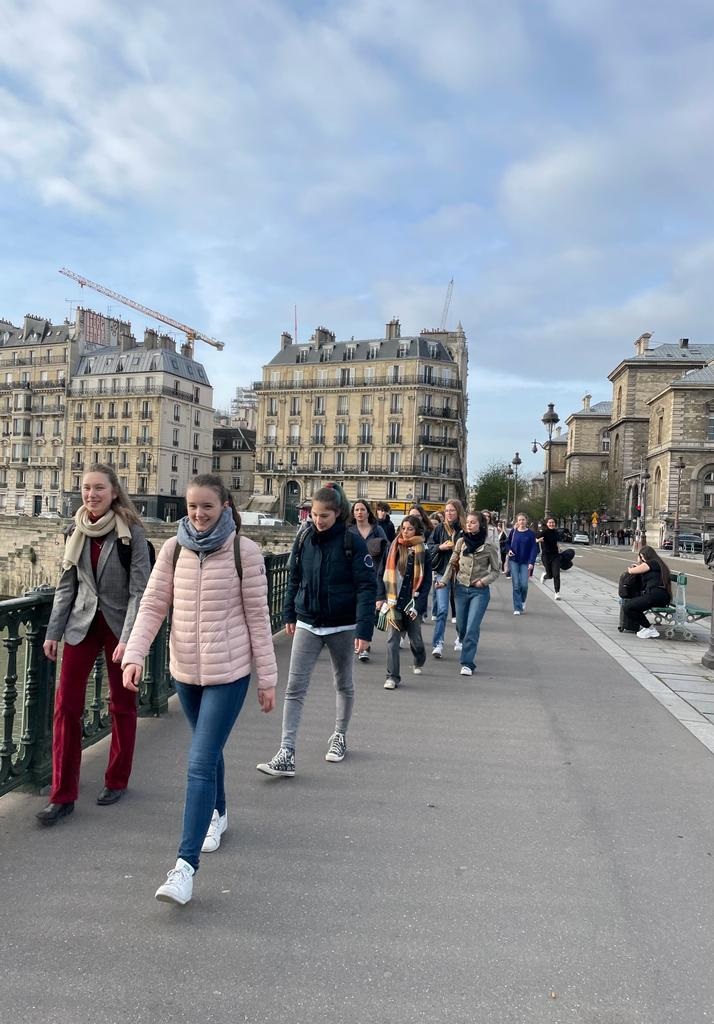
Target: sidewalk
{"points": [[531, 845], [670, 670]]}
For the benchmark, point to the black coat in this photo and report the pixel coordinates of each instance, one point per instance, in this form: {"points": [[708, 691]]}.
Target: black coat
{"points": [[440, 559], [328, 587]]}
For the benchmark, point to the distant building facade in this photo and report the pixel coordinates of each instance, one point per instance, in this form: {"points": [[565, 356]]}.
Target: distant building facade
{"points": [[234, 461], [386, 417], [588, 447]]}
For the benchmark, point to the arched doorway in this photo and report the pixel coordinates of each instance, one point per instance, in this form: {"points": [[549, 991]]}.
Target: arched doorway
{"points": [[293, 498]]}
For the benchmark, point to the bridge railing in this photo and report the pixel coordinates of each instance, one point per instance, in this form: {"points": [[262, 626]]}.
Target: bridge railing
{"points": [[27, 682]]}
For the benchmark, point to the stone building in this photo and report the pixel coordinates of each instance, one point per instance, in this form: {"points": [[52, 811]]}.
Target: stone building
{"points": [[234, 461], [37, 359], [244, 409], [558, 448], [636, 381], [384, 416], [588, 449], [147, 410]]}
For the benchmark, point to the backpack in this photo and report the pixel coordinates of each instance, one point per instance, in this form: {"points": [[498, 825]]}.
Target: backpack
{"points": [[123, 551], [236, 555], [302, 537]]}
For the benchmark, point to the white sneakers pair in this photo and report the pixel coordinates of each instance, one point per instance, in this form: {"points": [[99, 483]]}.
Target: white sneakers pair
{"points": [[648, 633], [178, 887]]}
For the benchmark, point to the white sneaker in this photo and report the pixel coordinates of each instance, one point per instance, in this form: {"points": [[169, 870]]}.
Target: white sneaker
{"points": [[457, 645], [391, 684], [433, 618], [516, 613], [219, 824], [437, 651], [543, 577], [648, 633], [466, 671], [402, 642], [454, 620], [178, 887], [416, 670], [557, 597]]}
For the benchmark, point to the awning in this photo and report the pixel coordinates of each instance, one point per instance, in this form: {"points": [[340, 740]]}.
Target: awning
{"points": [[262, 503]]}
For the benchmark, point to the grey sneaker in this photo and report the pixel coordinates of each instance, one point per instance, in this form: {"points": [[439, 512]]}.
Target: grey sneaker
{"points": [[337, 747], [363, 656], [283, 764]]}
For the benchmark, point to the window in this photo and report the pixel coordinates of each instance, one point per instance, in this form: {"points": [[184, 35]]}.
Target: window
{"points": [[343, 405], [392, 489], [393, 374], [177, 413], [268, 485], [363, 488], [349, 353], [38, 479], [341, 435], [54, 479], [395, 403], [708, 490], [395, 435], [272, 407], [302, 355], [660, 428], [364, 462], [298, 378], [370, 375], [95, 435], [366, 406], [319, 405], [373, 351], [346, 377], [604, 441], [318, 434], [710, 422], [317, 460], [174, 463], [657, 489], [125, 434], [173, 486], [175, 437], [195, 442], [98, 410], [295, 406], [618, 405], [394, 462], [194, 466], [235, 462], [403, 349], [340, 462]]}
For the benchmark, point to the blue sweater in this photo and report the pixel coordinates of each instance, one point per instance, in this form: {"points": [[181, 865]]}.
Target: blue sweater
{"points": [[523, 545]]}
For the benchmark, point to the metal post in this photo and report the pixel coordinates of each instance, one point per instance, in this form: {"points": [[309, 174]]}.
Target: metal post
{"points": [[708, 656], [515, 462], [549, 419], [679, 465]]}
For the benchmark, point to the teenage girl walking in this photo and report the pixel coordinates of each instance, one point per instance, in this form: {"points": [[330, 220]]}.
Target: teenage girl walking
{"points": [[407, 580], [440, 548], [94, 607], [550, 554], [329, 602], [475, 564], [364, 524], [220, 624], [522, 554]]}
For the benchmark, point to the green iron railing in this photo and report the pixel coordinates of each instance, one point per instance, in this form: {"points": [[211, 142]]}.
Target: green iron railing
{"points": [[28, 682]]}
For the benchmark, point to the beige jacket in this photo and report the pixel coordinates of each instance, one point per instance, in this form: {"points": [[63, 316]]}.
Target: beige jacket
{"points": [[483, 565], [219, 624]]}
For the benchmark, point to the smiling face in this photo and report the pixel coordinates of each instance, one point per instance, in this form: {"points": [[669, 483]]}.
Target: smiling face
{"points": [[97, 494], [322, 516], [204, 507], [550, 523], [451, 515]]}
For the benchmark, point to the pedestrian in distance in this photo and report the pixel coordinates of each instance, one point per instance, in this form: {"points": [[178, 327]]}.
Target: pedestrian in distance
{"points": [[382, 511], [440, 547], [329, 603], [215, 583], [407, 581], [491, 528], [522, 554], [364, 524], [656, 591], [503, 535], [475, 566], [104, 571], [417, 510], [547, 538]]}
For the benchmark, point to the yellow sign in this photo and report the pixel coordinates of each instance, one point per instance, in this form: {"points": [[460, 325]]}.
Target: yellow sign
{"points": [[594, 519]]}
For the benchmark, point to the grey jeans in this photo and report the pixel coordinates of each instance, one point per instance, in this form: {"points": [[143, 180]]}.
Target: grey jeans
{"points": [[307, 648], [412, 629]]}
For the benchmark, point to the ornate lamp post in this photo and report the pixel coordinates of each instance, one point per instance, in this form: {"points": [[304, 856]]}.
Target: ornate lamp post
{"points": [[280, 469], [509, 477], [642, 522], [515, 462], [549, 419], [679, 465]]}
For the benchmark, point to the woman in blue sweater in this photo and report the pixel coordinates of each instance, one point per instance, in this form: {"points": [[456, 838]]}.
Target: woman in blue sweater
{"points": [[522, 554]]}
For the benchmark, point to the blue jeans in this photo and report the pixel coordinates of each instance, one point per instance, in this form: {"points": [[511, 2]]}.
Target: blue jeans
{"points": [[211, 712], [519, 582], [471, 605], [442, 611]]}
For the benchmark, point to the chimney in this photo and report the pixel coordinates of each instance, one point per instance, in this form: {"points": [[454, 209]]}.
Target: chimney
{"points": [[393, 329], [167, 342], [558, 429], [642, 344], [586, 403], [286, 339], [151, 338], [323, 337], [186, 350], [684, 342]]}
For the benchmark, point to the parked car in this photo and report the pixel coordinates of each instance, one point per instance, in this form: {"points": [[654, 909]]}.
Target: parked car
{"points": [[566, 536], [581, 538], [687, 542]]}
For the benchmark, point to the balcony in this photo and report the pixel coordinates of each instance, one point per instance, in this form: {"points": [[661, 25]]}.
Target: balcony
{"points": [[110, 440], [317, 439], [80, 416], [270, 441], [145, 441], [394, 439], [427, 440], [126, 415], [77, 464], [437, 414], [111, 415], [365, 439], [342, 439], [20, 485], [146, 414]]}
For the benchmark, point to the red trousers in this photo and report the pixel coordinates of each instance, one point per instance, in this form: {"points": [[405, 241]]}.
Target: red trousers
{"points": [[77, 662]]}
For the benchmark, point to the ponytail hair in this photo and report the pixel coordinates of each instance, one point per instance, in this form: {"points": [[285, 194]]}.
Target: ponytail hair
{"points": [[122, 505], [213, 481], [333, 496]]}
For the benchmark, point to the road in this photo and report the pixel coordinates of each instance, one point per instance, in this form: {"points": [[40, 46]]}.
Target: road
{"points": [[610, 562]]}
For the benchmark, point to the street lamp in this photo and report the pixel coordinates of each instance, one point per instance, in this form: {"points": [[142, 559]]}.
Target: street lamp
{"points": [[509, 477], [549, 419], [280, 468], [642, 518], [679, 465], [515, 462]]}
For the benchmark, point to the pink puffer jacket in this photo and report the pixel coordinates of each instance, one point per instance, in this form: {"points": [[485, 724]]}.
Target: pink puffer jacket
{"points": [[220, 624]]}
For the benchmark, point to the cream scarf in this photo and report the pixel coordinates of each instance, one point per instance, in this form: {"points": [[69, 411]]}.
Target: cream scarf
{"points": [[84, 527]]}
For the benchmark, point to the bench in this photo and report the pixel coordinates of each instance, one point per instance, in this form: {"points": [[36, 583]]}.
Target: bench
{"points": [[677, 615]]}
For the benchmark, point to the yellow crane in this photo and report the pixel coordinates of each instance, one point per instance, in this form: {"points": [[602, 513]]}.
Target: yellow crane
{"points": [[190, 332]]}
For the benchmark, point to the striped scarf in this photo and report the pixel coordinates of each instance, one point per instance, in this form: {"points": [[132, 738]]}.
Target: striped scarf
{"points": [[391, 576]]}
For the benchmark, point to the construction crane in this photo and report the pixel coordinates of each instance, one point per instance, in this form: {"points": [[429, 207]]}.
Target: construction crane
{"points": [[447, 303], [190, 332]]}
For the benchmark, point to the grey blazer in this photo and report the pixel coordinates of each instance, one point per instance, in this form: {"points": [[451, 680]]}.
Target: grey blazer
{"points": [[79, 595]]}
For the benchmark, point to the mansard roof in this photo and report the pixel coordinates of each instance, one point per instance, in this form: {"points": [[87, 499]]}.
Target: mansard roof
{"points": [[112, 360], [384, 349]]}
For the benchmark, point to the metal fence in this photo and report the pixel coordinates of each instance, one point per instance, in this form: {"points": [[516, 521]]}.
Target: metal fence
{"points": [[28, 682]]}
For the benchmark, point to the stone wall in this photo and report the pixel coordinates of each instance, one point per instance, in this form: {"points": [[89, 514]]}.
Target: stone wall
{"points": [[31, 549]]}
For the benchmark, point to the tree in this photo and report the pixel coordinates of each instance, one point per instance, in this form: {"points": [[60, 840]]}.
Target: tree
{"points": [[491, 487]]}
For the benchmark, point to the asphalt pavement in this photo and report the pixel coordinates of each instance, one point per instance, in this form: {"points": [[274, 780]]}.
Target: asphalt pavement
{"points": [[531, 844]]}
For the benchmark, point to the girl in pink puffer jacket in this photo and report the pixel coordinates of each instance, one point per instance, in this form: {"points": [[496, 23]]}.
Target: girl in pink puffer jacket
{"points": [[220, 625]]}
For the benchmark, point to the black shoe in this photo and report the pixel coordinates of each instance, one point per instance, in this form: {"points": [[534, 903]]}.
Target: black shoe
{"points": [[52, 813], [110, 796]]}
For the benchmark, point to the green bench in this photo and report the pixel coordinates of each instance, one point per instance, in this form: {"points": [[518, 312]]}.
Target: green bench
{"points": [[677, 616]]}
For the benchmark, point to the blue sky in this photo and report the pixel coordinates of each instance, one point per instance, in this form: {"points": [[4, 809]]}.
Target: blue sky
{"points": [[225, 162]]}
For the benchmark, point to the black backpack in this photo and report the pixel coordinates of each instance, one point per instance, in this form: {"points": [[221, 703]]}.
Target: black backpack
{"points": [[302, 537]]}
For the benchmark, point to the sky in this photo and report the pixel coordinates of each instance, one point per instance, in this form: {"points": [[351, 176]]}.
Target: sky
{"points": [[225, 163]]}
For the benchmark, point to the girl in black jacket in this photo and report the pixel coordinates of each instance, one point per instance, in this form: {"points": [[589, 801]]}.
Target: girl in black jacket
{"points": [[407, 581], [330, 602]]}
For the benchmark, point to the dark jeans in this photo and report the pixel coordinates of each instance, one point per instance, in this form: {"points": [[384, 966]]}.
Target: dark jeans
{"points": [[635, 607], [412, 628], [551, 564], [211, 712]]}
